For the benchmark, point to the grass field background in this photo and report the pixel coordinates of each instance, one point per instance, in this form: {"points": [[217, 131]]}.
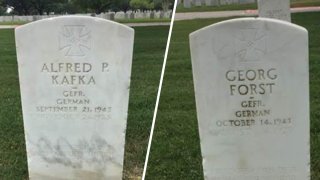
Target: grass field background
{"points": [[118, 20], [294, 3], [149, 48], [175, 151]]}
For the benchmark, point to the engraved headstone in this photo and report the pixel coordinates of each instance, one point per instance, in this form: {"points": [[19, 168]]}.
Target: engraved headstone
{"points": [[276, 9], [74, 78], [252, 95]]}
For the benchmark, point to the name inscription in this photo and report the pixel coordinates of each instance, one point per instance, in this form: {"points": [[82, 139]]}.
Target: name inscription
{"points": [[73, 99], [252, 111], [248, 81], [72, 73]]}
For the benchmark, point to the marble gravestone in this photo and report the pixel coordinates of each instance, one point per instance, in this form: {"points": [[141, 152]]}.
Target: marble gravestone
{"points": [[197, 2], [74, 78], [276, 9], [252, 96], [209, 2], [187, 3]]}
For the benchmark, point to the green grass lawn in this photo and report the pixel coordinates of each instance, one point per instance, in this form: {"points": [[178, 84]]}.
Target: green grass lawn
{"points": [[175, 151], [149, 48], [13, 23], [294, 3], [144, 20]]}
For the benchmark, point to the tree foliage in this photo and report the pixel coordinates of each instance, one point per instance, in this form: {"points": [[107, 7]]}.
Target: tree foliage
{"points": [[100, 5], [31, 7], [121, 5], [167, 4], [141, 4], [164, 4], [2, 7], [47, 6], [21, 7]]}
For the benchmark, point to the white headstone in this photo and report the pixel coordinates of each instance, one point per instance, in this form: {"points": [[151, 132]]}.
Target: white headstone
{"points": [[74, 79], [106, 16], [157, 14], [120, 15], [224, 2], [209, 2], [198, 2], [187, 3], [111, 15], [139, 15], [276, 9], [29, 18], [131, 15], [252, 96], [152, 14], [101, 15], [8, 18]]}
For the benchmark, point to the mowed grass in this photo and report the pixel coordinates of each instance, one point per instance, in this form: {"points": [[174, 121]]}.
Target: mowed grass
{"points": [[13, 23], [175, 151], [143, 20], [149, 48], [294, 3], [13, 162], [117, 20]]}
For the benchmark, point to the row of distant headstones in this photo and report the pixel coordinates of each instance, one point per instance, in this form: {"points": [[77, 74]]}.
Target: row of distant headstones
{"points": [[189, 3], [108, 15]]}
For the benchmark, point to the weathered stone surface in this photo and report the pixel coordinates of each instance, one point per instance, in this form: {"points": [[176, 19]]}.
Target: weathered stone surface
{"points": [[252, 96], [276, 9], [187, 3], [74, 78]]}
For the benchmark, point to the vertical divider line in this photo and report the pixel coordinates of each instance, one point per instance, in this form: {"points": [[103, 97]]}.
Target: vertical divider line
{"points": [[159, 91]]}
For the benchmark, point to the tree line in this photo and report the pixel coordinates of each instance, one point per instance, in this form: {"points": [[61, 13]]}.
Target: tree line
{"points": [[40, 7]]}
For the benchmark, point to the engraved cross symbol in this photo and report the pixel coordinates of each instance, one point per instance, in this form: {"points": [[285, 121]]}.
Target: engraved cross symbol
{"points": [[250, 44], [75, 40]]}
